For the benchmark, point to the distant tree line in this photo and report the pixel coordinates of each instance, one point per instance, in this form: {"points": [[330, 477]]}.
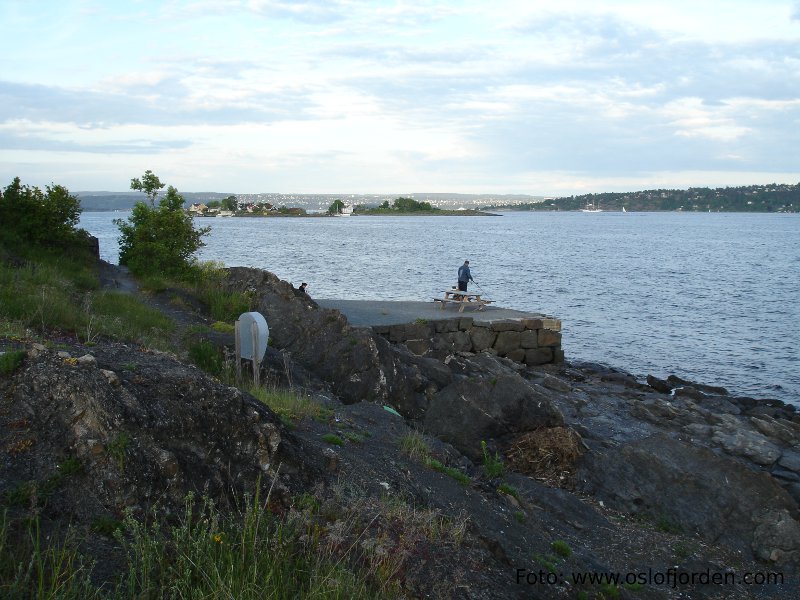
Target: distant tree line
{"points": [[753, 198], [400, 205]]}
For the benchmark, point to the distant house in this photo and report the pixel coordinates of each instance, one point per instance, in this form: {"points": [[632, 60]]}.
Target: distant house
{"points": [[198, 208]]}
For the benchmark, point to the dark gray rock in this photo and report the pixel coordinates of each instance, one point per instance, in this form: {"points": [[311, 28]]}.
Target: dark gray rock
{"points": [[659, 385], [469, 411], [676, 381], [692, 487]]}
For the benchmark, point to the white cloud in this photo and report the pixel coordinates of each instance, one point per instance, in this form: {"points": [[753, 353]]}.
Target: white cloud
{"points": [[455, 95]]}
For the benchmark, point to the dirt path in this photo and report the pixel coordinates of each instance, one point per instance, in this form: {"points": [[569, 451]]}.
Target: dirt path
{"points": [[173, 303]]}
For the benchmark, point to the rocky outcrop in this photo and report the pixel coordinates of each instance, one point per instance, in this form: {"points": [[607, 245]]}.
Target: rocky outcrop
{"points": [[692, 489], [358, 365], [470, 411], [142, 427]]}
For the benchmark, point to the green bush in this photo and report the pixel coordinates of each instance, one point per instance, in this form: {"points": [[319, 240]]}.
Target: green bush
{"points": [[31, 217], [158, 239]]}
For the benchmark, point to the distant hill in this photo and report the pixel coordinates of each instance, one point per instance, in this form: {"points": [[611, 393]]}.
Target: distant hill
{"points": [[102, 201], [753, 198]]}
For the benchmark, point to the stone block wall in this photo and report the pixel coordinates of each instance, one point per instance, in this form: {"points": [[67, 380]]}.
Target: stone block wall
{"points": [[532, 341]]}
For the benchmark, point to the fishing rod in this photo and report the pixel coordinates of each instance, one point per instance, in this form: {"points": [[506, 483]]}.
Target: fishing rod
{"points": [[483, 291]]}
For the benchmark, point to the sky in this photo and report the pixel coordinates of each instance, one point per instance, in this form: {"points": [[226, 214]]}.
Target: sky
{"points": [[533, 97]]}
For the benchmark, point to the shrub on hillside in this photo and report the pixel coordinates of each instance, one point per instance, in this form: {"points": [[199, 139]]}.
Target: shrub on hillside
{"points": [[31, 217], [158, 239]]}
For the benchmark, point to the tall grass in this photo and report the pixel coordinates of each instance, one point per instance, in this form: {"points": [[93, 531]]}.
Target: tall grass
{"points": [[31, 568], [61, 294], [250, 555], [253, 556], [124, 316]]}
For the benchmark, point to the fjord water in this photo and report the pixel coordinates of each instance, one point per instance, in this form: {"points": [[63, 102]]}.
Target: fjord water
{"points": [[711, 297]]}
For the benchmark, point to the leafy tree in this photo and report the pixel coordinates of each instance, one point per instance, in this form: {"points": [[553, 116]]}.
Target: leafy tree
{"points": [[159, 239], [410, 205], [385, 205], [149, 184], [335, 207], [230, 203], [213, 204], [31, 217]]}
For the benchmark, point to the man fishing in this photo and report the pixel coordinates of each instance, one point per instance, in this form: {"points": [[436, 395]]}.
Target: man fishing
{"points": [[464, 276]]}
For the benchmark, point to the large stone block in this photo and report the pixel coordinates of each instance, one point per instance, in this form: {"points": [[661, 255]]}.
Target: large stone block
{"points": [[506, 342], [533, 323], [548, 337], [507, 325], [517, 355], [552, 324], [446, 326], [538, 356], [410, 331], [465, 323], [482, 338], [529, 339], [458, 341]]}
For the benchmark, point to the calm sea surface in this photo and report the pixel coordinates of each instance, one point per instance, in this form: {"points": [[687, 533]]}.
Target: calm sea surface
{"points": [[711, 297]]}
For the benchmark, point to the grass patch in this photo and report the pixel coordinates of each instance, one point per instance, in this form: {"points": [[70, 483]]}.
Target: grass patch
{"points": [[333, 439], [459, 476], [352, 436], [11, 361], [415, 447], [223, 327], [123, 316], [291, 405], [492, 465], [561, 548], [508, 490], [206, 356], [548, 562]]}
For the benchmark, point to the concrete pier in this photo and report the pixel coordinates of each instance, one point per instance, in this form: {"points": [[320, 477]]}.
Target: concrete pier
{"points": [[429, 330]]}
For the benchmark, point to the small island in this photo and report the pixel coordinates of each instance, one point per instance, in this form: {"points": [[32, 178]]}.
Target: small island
{"points": [[230, 207]]}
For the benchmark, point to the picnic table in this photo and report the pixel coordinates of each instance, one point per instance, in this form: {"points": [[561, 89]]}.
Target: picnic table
{"points": [[462, 299]]}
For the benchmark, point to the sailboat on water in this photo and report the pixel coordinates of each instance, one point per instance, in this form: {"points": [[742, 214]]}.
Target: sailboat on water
{"points": [[591, 207], [623, 209]]}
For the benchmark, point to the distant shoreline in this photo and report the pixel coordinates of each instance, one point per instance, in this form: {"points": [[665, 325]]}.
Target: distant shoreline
{"points": [[437, 213]]}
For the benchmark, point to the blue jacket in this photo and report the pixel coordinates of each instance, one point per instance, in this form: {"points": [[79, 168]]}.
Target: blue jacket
{"points": [[463, 273]]}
